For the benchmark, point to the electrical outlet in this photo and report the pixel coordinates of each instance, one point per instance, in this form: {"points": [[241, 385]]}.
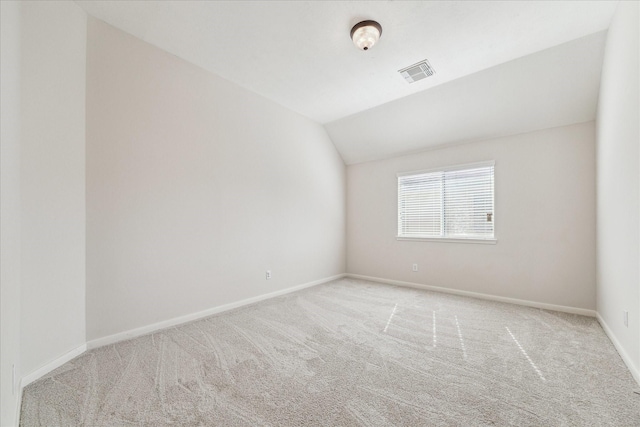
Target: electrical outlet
{"points": [[625, 318], [268, 275], [415, 267]]}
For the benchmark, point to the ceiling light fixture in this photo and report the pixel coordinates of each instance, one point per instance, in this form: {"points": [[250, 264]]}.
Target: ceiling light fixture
{"points": [[365, 34]]}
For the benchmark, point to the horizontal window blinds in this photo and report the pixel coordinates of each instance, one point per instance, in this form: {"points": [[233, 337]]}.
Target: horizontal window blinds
{"points": [[454, 203], [420, 205]]}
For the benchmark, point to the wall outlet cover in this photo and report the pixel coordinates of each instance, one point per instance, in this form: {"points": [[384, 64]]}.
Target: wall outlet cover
{"points": [[625, 318]]}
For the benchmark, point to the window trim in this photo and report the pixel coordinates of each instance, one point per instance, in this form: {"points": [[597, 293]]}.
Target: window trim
{"points": [[476, 240]]}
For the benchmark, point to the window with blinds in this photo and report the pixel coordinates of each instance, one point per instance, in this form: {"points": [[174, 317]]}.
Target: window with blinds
{"points": [[455, 203]]}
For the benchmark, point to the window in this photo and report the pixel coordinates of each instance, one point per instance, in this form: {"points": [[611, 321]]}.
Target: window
{"points": [[452, 204]]}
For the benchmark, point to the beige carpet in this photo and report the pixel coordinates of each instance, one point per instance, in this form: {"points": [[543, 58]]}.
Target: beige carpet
{"points": [[350, 353]]}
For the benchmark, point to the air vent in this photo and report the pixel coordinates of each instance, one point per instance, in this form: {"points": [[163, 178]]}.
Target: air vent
{"points": [[418, 71]]}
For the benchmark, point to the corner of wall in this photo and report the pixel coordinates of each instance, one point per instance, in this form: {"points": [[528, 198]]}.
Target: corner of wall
{"points": [[618, 186], [10, 227], [52, 183]]}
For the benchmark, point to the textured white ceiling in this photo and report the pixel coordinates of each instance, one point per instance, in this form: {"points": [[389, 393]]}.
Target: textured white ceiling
{"points": [[299, 54]]}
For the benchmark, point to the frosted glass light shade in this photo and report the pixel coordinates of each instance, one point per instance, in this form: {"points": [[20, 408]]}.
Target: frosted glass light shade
{"points": [[365, 34]]}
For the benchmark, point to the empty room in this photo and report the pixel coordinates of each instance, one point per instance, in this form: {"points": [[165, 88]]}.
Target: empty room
{"points": [[320, 213]]}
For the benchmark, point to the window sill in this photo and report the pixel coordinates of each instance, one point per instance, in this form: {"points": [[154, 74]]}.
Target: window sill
{"points": [[481, 241]]}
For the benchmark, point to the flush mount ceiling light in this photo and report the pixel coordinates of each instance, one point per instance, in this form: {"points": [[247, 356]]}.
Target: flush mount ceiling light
{"points": [[365, 34]]}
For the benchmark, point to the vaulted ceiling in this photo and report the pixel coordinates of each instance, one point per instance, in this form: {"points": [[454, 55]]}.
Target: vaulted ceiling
{"points": [[501, 67]]}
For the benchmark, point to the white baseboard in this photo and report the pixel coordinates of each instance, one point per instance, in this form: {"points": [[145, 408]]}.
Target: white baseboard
{"points": [[18, 405], [44, 370], [144, 330], [545, 306], [635, 372]]}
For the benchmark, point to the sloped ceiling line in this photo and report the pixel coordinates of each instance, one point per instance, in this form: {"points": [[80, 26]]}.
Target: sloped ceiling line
{"points": [[299, 54]]}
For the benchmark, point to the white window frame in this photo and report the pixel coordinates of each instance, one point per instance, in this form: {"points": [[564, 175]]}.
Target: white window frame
{"points": [[481, 240]]}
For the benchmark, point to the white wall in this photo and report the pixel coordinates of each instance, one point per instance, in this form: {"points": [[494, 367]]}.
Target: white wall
{"points": [[9, 207], [195, 187], [618, 185], [544, 213], [52, 181]]}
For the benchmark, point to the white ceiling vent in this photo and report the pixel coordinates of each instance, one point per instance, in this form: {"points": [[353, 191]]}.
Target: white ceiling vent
{"points": [[418, 71]]}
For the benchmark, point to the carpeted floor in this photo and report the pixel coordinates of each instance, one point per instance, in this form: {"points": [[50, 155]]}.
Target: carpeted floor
{"points": [[350, 353]]}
